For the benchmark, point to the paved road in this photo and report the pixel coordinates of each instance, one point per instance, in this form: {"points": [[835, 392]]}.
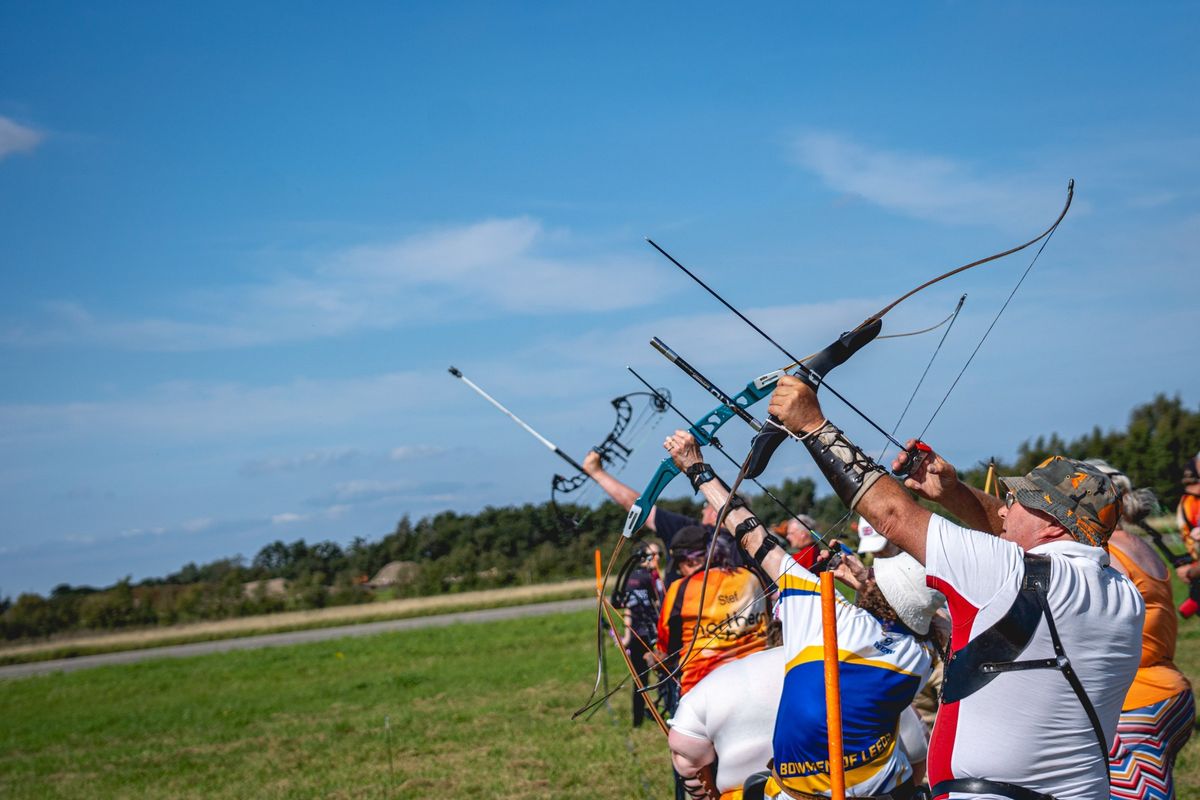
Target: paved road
{"points": [[293, 637]]}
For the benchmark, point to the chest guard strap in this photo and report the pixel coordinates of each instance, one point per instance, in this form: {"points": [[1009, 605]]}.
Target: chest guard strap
{"points": [[996, 650]]}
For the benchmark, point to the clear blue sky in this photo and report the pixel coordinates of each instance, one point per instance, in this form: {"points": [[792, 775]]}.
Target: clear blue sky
{"points": [[239, 247]]}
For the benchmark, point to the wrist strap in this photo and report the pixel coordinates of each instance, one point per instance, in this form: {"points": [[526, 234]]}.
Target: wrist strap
{"points": [[768, 544], [745, 526], [700, 474]]}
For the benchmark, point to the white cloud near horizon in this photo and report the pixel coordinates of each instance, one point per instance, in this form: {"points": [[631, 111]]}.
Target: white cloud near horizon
{"points": [[928, 187], [495, 267], [17, 138]]}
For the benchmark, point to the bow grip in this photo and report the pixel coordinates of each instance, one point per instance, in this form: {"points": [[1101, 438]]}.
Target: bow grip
{"points": [[642, 507], [916, 456], [767, 440]]}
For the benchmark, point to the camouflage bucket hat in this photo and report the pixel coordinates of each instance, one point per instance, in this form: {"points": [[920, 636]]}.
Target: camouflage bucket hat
{"points": [[1082, 498]]}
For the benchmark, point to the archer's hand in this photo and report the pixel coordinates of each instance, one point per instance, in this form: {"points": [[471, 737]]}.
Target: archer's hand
{"points": [[933, 479], [850, 570], [1186, 572], [795, 405], [592, 463], [683, 449]]}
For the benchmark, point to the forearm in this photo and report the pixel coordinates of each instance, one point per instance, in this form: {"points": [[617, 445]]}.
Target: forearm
{"points": [[977, 509], [717, 495], [623, 495], [867, 489], [894, 513]]}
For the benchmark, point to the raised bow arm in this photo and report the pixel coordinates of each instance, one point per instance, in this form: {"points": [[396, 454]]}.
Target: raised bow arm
{"points": [[703, 429]]}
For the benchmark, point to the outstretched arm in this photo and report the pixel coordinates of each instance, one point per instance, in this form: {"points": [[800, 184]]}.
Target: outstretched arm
{"points": [[685, 452], [624, 496], [861, 483]]}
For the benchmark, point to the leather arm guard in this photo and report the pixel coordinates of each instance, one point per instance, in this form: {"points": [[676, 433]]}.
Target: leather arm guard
{"points": [[703, 785], [849, 470]]}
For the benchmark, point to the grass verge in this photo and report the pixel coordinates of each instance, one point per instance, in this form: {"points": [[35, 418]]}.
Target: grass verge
{"points": [[95, 644]]}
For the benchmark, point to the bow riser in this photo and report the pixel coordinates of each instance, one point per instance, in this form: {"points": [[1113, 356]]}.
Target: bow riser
{"points": [[767, 440], [704, 430]]}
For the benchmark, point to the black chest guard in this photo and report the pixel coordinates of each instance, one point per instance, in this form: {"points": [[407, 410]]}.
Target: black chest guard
{"points": [[996, 650]]}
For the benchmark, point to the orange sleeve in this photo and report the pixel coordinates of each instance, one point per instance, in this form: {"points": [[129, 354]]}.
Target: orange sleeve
{"points": [[664, 615]]}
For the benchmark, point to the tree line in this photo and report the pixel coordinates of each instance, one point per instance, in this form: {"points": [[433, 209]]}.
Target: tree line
{"points": [[516, 545]]}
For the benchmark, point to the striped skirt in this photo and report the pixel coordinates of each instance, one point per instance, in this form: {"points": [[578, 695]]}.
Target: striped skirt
{"points": [[1148, 740]]}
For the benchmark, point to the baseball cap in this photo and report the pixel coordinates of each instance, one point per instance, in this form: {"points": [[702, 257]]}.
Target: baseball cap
{"points": [[902, 580], [869, 539], [1079, 496], [689, 540]]}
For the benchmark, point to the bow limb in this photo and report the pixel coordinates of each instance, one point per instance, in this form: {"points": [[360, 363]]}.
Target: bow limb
{"points": [[613, 449], [611, 614], [600, 617], [1062, 214], [813, 369], [640, 510]]}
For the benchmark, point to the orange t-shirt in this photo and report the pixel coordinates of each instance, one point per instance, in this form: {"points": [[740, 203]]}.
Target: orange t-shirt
{"points": [[1157, 677], [1188, 517], [733, 622]]}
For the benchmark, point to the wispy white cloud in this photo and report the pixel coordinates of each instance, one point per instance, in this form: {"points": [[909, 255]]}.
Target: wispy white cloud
{"points": [[411, 452], [928, 187], [496, 267], [17, 138], [314, 458], [366, 490], [191, 410]]}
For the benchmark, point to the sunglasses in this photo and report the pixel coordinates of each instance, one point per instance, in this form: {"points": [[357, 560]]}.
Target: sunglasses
{"points": [[1009, 499]]}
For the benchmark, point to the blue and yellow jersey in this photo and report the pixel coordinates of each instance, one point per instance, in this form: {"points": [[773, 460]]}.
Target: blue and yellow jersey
{"points": [[880, 672]]}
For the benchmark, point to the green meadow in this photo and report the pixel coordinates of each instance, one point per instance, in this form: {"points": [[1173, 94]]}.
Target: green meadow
{"points": [[481, 710], [474, 710]]}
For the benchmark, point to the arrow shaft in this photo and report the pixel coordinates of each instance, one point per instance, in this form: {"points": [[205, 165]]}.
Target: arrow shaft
{"points": [[549, 444]]}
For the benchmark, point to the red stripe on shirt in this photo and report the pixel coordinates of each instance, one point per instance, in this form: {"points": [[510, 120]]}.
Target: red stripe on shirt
{"points": [[945, 729]]}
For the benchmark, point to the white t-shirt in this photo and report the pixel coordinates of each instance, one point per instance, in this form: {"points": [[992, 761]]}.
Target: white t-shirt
{"points": [[734, 708], [880, 672], [1028, 727]]}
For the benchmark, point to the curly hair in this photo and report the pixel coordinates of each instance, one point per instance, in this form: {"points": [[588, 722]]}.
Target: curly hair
{"points": [[870, 598]]}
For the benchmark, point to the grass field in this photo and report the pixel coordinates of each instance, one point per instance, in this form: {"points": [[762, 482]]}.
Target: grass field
{"points": [[473, 711], [91, 643]]}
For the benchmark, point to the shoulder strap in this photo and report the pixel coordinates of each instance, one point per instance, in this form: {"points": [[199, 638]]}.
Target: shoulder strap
{"points": [[1063, 665], [1004, 641], [675, 624]]}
